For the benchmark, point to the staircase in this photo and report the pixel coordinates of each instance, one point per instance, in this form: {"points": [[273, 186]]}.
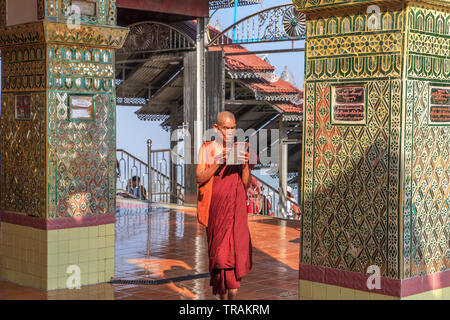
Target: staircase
{"points": [[161, 189]]}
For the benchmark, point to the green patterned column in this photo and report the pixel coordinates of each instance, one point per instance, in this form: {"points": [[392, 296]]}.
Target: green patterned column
{"points": [[58, 144], [375, 190]]}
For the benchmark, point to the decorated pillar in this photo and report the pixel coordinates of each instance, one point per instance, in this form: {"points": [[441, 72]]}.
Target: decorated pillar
{"points": [[57, 205], [283, 169], [376, 142]]}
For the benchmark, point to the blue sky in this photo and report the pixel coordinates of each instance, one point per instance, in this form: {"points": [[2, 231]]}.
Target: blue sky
{"points": [[293, 60], [132, 134]]}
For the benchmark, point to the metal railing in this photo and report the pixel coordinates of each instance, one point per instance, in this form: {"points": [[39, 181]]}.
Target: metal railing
{"points": [[264, 199], [166, 183], [147, 37], [167, 178], [129, 167], [279, 23], [160, 187]]}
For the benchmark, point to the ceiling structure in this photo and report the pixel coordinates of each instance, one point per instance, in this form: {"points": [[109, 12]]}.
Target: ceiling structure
{"points": [[149, 73]]}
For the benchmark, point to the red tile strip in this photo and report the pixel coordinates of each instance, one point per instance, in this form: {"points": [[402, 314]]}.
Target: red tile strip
{"points": [[358, 281], [127, 205], [55, 224]]}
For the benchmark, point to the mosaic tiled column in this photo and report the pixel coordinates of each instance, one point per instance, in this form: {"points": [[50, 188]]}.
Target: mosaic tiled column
{"points": [[376, 143], [58, 144]]}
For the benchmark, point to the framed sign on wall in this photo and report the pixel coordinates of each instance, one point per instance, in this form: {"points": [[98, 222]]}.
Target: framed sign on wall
{"points": [[81, 107], [439, 112], [348, 104], [23, 107], [87, 8]]}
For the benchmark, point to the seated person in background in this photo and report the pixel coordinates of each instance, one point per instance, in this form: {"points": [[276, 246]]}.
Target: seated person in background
{"points": [[254, 197], [134, 189], [292, 204], [268, 205]]}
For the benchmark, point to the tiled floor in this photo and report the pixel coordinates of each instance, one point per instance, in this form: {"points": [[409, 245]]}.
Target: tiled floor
{"points": [[164, 244]]}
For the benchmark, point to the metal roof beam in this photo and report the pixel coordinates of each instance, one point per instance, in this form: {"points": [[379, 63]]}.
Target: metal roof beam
{"points": [[152, 59], [264, 51], [246, 102]]}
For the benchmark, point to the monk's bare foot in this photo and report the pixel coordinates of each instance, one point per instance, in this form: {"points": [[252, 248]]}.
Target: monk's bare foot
{"points": [[232, 293], [224, 296]]}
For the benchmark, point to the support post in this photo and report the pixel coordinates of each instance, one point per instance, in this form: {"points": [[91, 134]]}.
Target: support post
{"points": [[200, 114], [193, 112], [214, 87], [233, 90], [235, 19], [173, 169], [299, 183], [282, 170], [150, 170]]}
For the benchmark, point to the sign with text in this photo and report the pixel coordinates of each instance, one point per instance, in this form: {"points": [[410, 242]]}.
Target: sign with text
{"points": [[348, 104], [23, 107], [81, 107], [87, 7], [439, 113]]}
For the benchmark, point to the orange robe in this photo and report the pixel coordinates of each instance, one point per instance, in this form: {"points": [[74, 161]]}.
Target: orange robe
{"points": [[229, 243]]}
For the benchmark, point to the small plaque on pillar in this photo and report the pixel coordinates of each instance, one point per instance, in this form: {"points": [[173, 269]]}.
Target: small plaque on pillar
{"points": [[348, 105], [81, 107], [87, 8], [439, 113], [23, 107]]}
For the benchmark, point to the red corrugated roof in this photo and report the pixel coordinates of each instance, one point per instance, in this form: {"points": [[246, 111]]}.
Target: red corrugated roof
{"points": [[253, 63], [248, 62], [290, 107], [279, 86]]}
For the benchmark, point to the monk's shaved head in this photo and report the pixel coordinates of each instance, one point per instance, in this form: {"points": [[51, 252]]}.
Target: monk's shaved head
{"points": [[225, 126], [223, 116]]}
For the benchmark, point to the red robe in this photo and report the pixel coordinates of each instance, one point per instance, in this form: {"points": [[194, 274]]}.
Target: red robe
{"points": [[229, 243]]}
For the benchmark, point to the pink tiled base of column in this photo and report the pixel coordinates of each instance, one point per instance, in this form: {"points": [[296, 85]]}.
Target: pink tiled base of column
{"points": [[59, 223], [37, 252]]}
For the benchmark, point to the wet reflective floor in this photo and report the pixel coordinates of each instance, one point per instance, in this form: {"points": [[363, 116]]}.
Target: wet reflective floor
{"points": [[162, 254]]}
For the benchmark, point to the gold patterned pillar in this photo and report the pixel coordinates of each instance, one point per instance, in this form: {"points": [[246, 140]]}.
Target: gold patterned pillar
{"points": [[376, 144], [57, 205]]}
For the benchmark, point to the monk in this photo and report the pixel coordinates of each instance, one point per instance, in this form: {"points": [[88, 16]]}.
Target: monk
{"points": [[229, 243]]}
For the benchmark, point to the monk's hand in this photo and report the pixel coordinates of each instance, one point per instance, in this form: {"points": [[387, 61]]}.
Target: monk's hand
{"points": [[225, 153], [243, 157], [218, 159], [221, 156]]}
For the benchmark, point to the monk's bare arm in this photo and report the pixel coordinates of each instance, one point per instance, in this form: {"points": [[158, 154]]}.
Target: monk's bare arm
{"points": [[246, 174], [203, 174]]}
